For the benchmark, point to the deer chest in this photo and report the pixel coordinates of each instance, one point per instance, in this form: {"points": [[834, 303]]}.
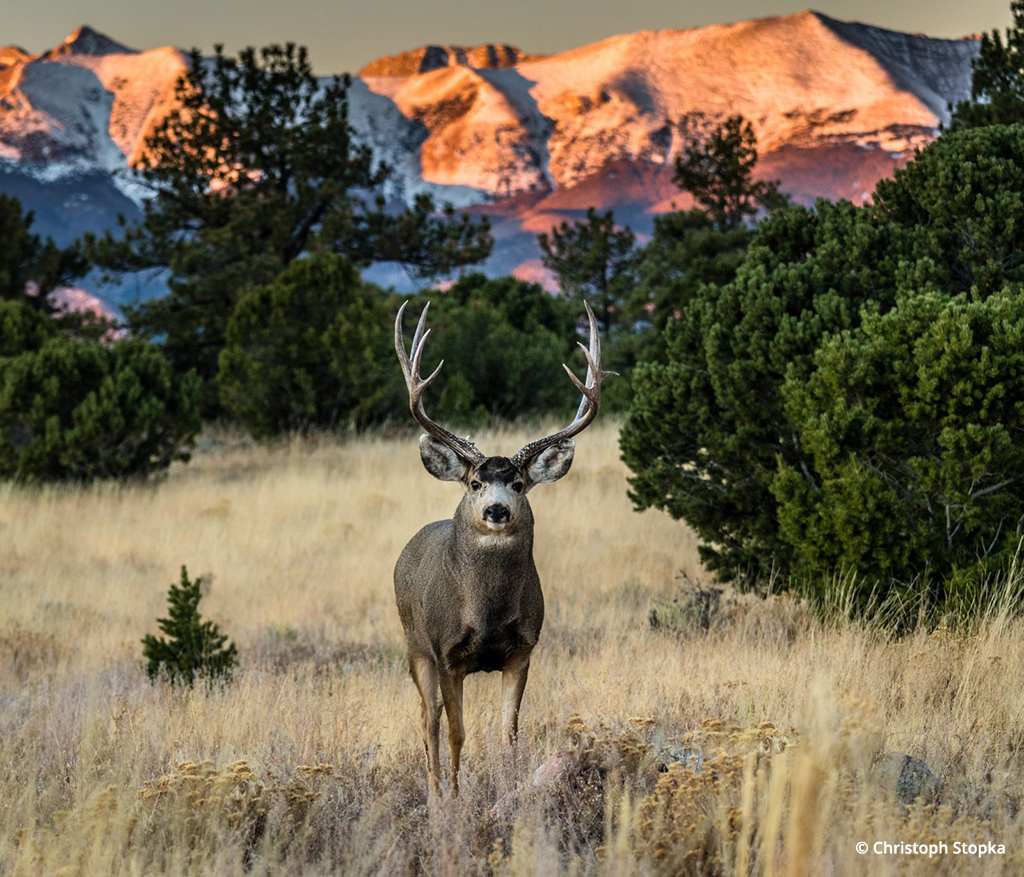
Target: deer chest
{"points": [[486, 650]]}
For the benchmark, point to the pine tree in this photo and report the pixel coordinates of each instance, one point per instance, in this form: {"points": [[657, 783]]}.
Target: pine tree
{"points": [[718, 171], [592, 259], [194, 647], [31, 268], [256, 166], [711, 428], [997, 79]]}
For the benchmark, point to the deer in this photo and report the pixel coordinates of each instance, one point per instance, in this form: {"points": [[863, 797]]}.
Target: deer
{"points": [[468, 593]]}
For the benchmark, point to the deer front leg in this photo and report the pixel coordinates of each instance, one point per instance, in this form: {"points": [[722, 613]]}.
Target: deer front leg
{"points": [[513, 683], [451, 693], [424, 674]]}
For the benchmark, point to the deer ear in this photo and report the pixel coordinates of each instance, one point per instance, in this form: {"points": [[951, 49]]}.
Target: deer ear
{"points": [[440, 460], [551, 464]]}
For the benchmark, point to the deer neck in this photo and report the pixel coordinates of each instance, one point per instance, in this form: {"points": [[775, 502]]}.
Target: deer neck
{"points": [[472, 549]]}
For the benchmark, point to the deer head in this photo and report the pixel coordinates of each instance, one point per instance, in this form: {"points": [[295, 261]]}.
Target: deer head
{"points": [[496, 487]]}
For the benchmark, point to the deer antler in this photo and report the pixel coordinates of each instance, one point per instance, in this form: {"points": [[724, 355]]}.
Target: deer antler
{"points": [[464, 448], [589, 404]]}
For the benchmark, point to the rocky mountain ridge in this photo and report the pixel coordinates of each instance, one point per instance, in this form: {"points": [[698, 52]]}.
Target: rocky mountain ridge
{"points": [[527, 139]]}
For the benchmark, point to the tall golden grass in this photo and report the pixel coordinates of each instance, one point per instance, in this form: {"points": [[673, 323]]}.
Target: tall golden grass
{"points": [[752, 747]]}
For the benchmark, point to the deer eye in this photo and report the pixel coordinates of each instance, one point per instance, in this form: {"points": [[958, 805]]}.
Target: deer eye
{"points": [[475, 485], [518, 487]]}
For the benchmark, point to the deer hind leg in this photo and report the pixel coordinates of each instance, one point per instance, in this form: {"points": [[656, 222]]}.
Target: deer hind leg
{"points": [[424, 674], [513, 684], [451, 692]]}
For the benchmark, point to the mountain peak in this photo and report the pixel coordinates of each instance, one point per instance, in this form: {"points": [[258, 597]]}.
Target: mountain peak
{"points": [[488, 56], [86, 41], [11, 55]]}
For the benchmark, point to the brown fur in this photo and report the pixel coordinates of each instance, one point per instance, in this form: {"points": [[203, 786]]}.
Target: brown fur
{"points": [[467, 589], [470, 601]]}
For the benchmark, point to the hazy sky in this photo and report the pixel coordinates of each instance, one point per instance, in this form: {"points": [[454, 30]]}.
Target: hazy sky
{"points": [[342, 35]]}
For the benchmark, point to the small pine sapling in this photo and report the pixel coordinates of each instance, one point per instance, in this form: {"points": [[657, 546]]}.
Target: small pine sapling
{"points": [[194, 647]]}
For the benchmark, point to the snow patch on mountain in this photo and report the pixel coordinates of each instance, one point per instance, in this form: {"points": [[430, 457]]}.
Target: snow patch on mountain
{"points": [[83, 107]]}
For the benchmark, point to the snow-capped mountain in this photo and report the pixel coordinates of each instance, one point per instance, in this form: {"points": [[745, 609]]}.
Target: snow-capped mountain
{"points": [[527, 139]]}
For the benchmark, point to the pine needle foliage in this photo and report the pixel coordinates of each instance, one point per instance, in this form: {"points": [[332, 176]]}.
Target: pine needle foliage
{"points": [[194, 648], [718, 170], [997, 79]]}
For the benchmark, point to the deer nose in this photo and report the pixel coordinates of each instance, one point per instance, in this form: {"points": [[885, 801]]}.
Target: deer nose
{"points": [[497, 513]]}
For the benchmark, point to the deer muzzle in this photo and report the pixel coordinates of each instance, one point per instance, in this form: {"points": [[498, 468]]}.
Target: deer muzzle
{"points": [[497, 514]]}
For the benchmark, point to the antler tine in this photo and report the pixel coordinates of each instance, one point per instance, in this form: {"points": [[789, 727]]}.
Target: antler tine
{"points": [[418, 337], [403, 359], [593, 355], [417, 355], [589, 404], [464, 448]]}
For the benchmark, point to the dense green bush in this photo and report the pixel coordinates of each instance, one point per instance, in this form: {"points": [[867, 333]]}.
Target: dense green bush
{"points": [[913, 426], [503, 343], [710, 430], [23, 328], [707, 426], [77, 411], [310, 351], [315, 350]]}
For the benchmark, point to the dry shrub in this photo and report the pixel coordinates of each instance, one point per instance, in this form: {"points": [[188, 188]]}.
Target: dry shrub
{"points": [[206, 805], [90, 839], [594, 759], [780, 617], [695, 811]]}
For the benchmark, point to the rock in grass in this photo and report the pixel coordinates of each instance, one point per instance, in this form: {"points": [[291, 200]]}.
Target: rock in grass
{"points": [[906, 777]]}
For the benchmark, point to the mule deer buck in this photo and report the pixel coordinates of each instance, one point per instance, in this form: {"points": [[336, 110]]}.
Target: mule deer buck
{"points": [[467, 588]]}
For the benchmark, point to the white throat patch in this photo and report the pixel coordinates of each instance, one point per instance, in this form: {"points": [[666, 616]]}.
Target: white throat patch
{"points": [[495, 540]]}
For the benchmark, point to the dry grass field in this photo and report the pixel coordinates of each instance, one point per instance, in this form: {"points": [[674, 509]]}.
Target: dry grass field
{"points": [[752, 747]]}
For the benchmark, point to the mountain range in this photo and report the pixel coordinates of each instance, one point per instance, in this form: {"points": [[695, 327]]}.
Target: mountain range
{"points": [[528, 140]]}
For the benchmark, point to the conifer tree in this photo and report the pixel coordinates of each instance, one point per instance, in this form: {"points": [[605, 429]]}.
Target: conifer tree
{"points": [[718, 171], [592, 259], [256, 166], [30, 267], [997, 79], [712, 427], [194, 648]]}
